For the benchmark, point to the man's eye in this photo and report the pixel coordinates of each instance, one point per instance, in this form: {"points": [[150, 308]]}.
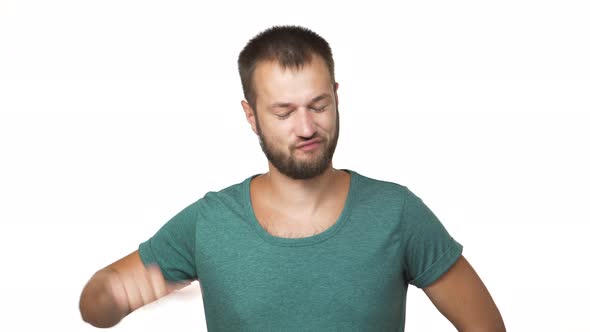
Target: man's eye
{"points": [[319, 109], [282, 117]]}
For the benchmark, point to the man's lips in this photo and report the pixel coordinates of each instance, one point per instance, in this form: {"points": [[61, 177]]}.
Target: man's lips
{"points": [[306, 143]]}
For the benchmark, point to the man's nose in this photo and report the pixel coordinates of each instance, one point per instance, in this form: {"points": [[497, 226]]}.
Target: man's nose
{"points": [[305, 123]]}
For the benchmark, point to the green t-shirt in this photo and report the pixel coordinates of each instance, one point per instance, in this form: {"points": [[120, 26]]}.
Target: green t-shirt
{"points": [[352, 276]]}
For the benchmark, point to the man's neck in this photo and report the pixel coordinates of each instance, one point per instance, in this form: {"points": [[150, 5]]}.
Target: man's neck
{"points": [[300, 196]]}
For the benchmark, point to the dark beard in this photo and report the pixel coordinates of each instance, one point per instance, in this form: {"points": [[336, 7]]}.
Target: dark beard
{"points": [[289, 166]]}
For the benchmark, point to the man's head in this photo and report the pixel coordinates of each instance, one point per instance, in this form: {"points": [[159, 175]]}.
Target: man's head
{"points": [[287, 75], [289, 46]]}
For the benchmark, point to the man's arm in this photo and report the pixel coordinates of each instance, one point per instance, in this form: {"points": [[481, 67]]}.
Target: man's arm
{"points": [[463, 299], [121, 288]]}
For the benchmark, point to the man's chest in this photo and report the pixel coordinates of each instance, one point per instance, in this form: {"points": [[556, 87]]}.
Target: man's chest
{"points": [[305, 286], [301, 222], [297, 224]]}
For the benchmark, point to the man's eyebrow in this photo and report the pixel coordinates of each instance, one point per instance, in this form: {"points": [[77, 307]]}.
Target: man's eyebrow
{"points": [[320, 97], [273, 105], [314, 100]]}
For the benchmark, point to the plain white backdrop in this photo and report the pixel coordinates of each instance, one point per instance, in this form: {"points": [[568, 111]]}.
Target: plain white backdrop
{"points": [[114, 115]]}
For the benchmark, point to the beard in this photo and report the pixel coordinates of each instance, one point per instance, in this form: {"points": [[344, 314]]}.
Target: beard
{"points": [[300, 168]]}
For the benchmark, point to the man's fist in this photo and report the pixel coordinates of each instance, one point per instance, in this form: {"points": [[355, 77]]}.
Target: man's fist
{"points": [[132, 291], [121, 288]]}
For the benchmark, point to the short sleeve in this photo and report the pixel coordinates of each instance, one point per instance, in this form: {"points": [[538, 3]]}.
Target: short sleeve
{"points": [[429, 250], [172, 247]]}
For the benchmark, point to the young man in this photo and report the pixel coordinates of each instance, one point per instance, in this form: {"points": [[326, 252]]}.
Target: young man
{"points": [[305, 246]]}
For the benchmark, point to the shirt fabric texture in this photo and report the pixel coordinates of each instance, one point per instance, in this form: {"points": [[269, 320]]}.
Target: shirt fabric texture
{"points": [[353, 276]]}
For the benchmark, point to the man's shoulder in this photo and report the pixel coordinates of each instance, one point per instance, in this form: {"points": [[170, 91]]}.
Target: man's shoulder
{"points": [[379, 186], [234, 194]]}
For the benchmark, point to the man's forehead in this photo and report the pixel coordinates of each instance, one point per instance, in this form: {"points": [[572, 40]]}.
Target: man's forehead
{"points": [[267, 68], [287, 98], [315, 99], [282, 85], [273, 66]]}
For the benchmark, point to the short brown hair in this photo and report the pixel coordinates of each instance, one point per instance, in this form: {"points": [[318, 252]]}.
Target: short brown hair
{"points": [[292, 46]]}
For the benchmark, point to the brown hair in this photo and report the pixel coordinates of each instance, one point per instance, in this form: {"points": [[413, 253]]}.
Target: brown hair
{"points": [[292, 46]]}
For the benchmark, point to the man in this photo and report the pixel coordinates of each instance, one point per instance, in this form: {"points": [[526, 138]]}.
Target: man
{"points": [[305, 246]]}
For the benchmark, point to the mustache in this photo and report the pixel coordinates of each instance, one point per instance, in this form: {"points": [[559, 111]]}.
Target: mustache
{"points": [[315, 139]]}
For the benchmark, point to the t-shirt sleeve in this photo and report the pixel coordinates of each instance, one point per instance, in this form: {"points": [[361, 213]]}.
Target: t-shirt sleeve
{"points": [[429, 250], [172, 247]]}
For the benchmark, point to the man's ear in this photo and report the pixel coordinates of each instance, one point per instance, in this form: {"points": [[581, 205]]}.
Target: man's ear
{"points": [[336, 92], [249, 112]]}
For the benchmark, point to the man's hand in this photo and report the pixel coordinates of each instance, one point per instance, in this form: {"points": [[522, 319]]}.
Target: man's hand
{"points": [[132, 291], [121, 288]]}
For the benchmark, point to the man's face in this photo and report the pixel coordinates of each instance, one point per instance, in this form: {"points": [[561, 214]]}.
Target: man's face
{"points": [[295, 107]]}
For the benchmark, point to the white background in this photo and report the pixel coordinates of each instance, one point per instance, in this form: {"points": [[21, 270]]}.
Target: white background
{"points": [[114, 115]]}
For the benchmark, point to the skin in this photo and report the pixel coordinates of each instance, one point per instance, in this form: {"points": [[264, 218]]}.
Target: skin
{"points": [[461, 296], [121, 288]]}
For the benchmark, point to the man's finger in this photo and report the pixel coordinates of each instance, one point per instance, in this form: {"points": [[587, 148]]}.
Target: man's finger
{"points": [[157, 281], [133, 293], [144, 284], [117, 290]]}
